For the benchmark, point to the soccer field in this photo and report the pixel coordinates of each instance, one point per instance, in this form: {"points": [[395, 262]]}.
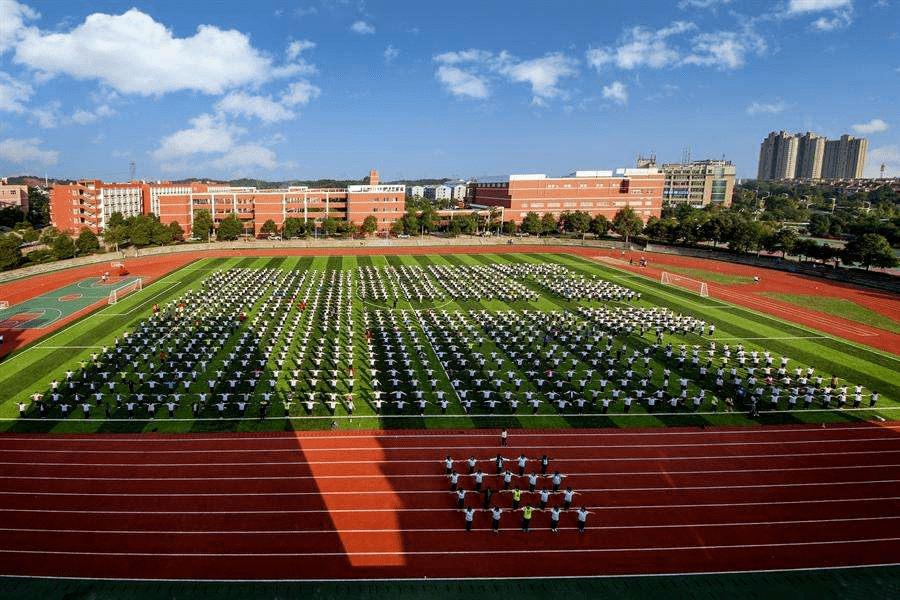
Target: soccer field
{"points": [[492, 331]]}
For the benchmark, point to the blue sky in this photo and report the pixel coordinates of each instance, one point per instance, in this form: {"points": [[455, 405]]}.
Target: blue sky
{"points": [[331, 88]]}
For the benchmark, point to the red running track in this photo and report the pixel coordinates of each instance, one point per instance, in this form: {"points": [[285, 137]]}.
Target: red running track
{"points": [[376, 504]]}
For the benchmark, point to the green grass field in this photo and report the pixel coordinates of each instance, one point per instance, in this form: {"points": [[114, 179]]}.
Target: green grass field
{"points": [[32, 369], [839, 307], [709, 276]]}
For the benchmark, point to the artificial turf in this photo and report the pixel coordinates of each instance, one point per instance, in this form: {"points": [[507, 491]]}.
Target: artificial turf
{"points": [[31, 370], [839, 307]]}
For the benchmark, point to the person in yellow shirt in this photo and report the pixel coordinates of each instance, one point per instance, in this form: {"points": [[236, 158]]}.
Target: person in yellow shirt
{"points": [[516, 497], [526, 517]]}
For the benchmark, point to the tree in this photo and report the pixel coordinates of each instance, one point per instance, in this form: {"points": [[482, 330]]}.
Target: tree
{"points": [[9, 216], [63, 246], [177, 230], [203, 224], [428, 219], [269, 227], [87, 242], [549, 224], [330, 226], [230, 228], [115, 235], [369, 225], [10, 256], [531, 224], [293, 227], [599, 225], [509, 227], [115, 220], [38, 207], [140, 229], [578, 222], [870, 249], [161, 235], [819, 224], [784, 241], [397, 227], [627, 223]]}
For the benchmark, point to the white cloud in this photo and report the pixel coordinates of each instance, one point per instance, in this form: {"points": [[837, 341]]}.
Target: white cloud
{"points": [[132, 53], [805, 6], [46, 116], [873, 126], [247, 156], [362, 28], [723, 49], [617, 92], [471, 55], [390, 53], [85, 117], [766, 108], [295, 48], [691, 4], [12, 22], [640, 47], [263, 108], [13, 93], [208, 134], [541, 73], [840, 19], [462, 83], [889, 156], [26, 151], [300, 93]]}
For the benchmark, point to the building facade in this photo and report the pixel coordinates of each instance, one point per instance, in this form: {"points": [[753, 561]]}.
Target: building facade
{"points": [[699, 183], [810, 153], [14, 196], [844, 158], [777, 157], [90, 203], [594, 192]]}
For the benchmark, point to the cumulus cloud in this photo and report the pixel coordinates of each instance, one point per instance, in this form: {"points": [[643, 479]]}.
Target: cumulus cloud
{"points": [[207, 134], [13, 18], [837, 21], [362, 28], [541, 73], [300, 93], [295, 48], [766, 108], [805, 6], [468, 73], [27, 152], [644, 48], [390, 53], [244, 157], [263, 108], [13, 94], [889, 156], [84, 117], [462, 83], [134, 54], [873, 126], [617, 92]]}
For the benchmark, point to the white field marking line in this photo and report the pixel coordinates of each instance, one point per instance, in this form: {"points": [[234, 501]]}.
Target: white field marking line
{"points": [[70, 347], [485, 552], [439, 476], [304, 532], [669, 489], [281, 511], [593, 459], [413, 448], [140, 305], [468, 435], [772, 306], [789, 337], [521, 416]]}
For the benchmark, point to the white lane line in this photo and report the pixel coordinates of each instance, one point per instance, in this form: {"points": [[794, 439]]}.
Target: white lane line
{"points": [[282, 512], [423, 530], [317, 493], [486, 552]]}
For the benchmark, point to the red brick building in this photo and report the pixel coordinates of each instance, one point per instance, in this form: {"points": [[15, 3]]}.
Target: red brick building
{"points": [[91, 203], [593, 192]]}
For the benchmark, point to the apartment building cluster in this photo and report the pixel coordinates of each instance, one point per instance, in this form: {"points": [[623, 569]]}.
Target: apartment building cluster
{"points": [[89, 204], [446, 191], [809, 156]]}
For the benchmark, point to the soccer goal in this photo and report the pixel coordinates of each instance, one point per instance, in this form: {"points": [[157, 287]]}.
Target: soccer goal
{"points": [[134, 286], [693, 285]]}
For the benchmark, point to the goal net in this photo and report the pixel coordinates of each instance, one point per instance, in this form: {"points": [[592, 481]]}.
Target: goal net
{"points": [[693, 285], [134, 286]]}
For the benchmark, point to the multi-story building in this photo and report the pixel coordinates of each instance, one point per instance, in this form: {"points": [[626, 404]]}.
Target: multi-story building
{"points": [[698, 183], [812, 157], [595, 192], [810, 152], [443, 192], [459, 192], [778, 157], [844, 158], [13, 195], [90, 203], [417, 191]]}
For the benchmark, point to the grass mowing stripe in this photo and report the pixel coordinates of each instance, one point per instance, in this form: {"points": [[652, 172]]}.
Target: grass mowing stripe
{"points": [[838, 307]]}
